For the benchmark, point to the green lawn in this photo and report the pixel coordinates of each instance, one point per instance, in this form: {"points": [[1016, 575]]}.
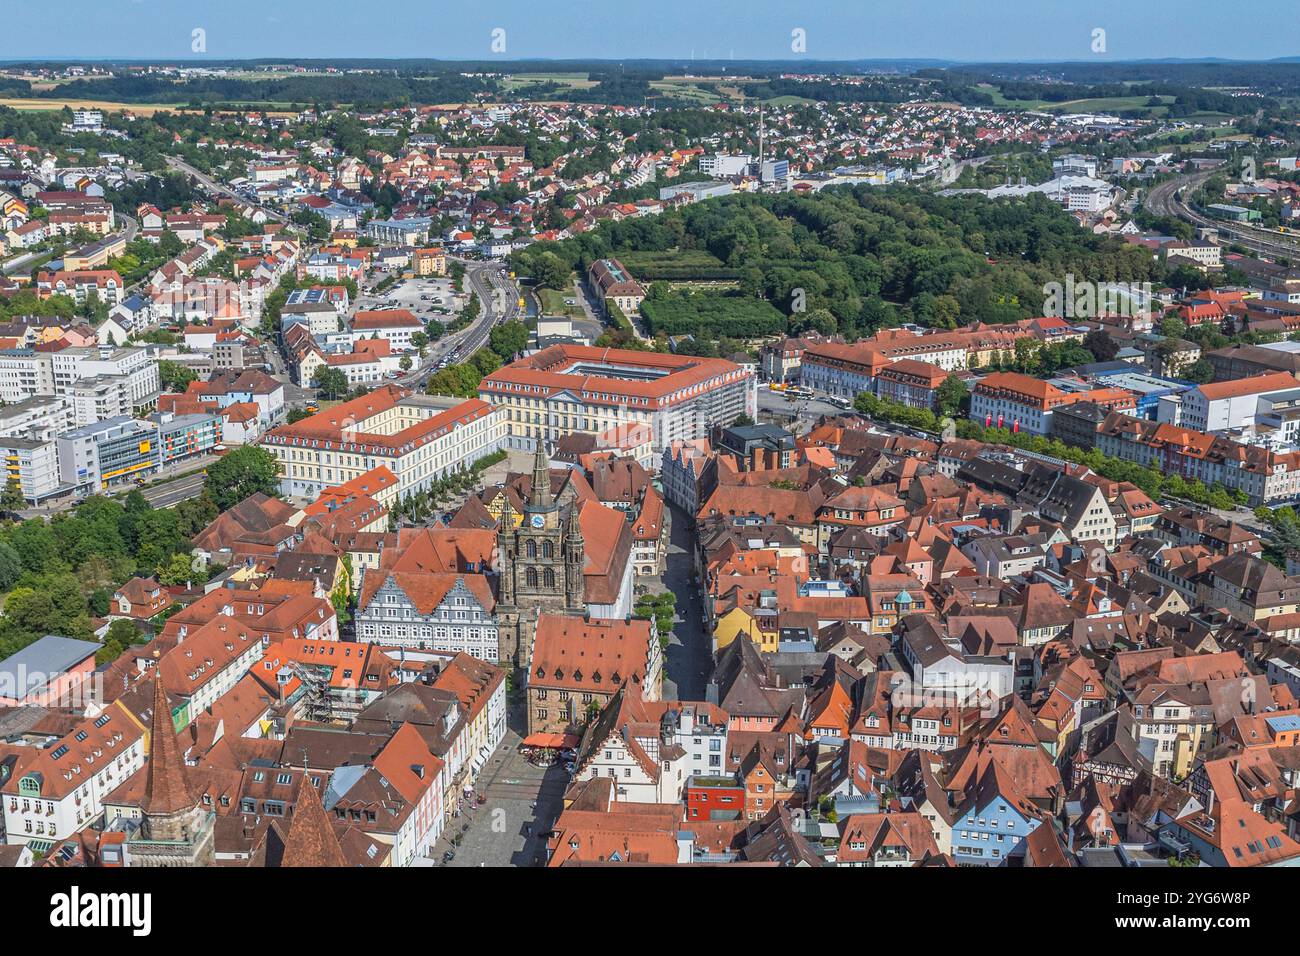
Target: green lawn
{"points": [[553, 303]]}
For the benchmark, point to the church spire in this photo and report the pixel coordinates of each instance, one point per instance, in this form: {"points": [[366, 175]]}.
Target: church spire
{"points": [[311, 840], [540, 496], [166, 790], [574, 530]]}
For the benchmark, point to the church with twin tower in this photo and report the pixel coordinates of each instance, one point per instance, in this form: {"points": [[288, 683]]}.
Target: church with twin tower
{"points": [[539, 563]]}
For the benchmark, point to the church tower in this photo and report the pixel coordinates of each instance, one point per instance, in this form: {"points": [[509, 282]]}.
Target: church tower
{"points": [[574, 557], [176, 831], [539, 563]]}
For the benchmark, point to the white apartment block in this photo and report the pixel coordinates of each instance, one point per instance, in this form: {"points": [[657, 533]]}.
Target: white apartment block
{"points": [[34, 463], [25, 373], [99, 398], [1220, 406], [34, 415]]}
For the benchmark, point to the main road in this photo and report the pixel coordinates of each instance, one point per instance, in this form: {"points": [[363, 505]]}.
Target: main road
{"points": [[173, 492], [498, 302], [212, 186]]}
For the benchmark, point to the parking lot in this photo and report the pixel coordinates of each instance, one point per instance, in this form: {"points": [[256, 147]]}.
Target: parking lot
{"points": [[428, 297], [779, 407]]}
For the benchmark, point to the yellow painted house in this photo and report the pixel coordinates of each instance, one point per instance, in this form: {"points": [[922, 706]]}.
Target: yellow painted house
{"points": [[739, 621]]}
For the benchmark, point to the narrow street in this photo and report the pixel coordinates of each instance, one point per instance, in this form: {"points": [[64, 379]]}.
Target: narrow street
{"points": [[690, 653]]}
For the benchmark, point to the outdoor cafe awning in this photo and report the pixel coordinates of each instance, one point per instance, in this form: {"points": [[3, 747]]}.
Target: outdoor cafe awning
{"points": [[553, 741]]}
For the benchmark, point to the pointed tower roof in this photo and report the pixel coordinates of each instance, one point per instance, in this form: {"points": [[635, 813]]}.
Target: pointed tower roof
{"points": [[311, 840], [574, 530], [539, 497], [166, 790]]}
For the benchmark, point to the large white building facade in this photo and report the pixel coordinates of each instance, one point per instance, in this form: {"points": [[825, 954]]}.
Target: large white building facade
{"points": [[416, 438], [566, 389]]}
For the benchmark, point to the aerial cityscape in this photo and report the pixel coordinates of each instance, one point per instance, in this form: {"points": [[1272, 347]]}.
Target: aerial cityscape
{"points": [[723, 451]]}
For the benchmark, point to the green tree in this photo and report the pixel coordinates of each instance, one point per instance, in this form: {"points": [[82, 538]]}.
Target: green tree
{"points": [[331, 382], [174, 376], [951, 396], [550, 271], [194, 515], [240, 473], [1101, 345], [508, 339], [11, 498], [11, 566], [1200, 372]]}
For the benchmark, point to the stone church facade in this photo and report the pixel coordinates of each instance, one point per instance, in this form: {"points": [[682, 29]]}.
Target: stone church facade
{"points": [[540, 565]]}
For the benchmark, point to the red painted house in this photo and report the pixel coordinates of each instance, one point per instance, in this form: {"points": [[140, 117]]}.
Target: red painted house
{"points": [[714, 798]]}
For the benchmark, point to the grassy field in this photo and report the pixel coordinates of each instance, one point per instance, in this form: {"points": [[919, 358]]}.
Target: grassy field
{"points": [[678, 265], [553, 304], [1108, 104], [692, 91], [41, 86], [789, 100], [1113, 104], [569, 81], [140, 109]]}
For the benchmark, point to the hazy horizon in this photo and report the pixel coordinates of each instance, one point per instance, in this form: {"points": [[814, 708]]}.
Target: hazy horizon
{"points": [[835, 30]]}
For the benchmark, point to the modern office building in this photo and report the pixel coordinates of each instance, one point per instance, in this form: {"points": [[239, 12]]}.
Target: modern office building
{"points": [[95, 457], [401, 232], [184, 436]]}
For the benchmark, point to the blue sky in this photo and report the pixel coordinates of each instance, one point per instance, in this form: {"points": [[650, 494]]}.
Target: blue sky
{"points": [[612, 29]]}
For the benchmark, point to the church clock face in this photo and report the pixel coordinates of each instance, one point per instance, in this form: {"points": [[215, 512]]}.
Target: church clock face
{"points": [[538, 521]]}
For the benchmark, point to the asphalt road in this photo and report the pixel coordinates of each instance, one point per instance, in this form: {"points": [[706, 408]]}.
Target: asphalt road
{"points": [[592, 323], [951, 173], [491, 286], [174, 492], [18, 264], [215, 187]]}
